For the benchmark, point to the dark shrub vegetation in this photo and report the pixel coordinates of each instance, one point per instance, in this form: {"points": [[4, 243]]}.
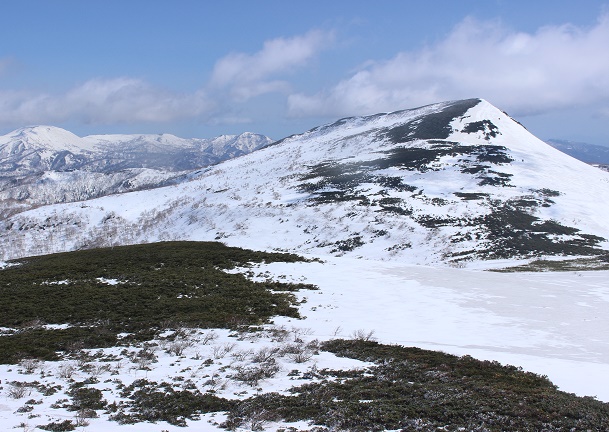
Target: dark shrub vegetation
{"points": [[135, 289], [414, 389]]}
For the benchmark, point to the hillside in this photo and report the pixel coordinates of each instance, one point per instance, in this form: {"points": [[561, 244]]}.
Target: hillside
{"points": [[455, 182]]}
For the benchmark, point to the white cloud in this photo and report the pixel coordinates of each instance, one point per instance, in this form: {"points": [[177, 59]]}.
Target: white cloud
{"points": [[125, 98], [103, 101], [237, 78], [553, 68], [249, 75]]}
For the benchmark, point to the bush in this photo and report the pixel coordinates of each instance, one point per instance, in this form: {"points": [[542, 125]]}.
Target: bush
{"points": [[152, 402], [85, 398], [63, 426]]}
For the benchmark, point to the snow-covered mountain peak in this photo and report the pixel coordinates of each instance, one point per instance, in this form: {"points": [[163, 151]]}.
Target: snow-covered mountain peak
{"points": [[236, 145], [451, 182], [108, 141], [45, 138]]}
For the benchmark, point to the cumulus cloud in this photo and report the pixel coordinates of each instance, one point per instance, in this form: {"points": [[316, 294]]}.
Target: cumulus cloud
{"points": [[248, 75], [525, 73], [103, 101], [127, 98]]}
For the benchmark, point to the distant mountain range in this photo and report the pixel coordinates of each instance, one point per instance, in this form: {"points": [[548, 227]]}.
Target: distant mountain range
{"points": [[46, 165], [454, 182], [589, 153], [44, 148]]}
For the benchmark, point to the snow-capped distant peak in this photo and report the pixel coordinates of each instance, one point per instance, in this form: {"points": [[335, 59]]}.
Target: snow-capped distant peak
{"points": [[45, 137], [45, 164], [39, 148]]}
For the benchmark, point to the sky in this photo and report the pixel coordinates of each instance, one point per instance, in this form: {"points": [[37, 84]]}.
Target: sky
{"points": [[205, 68]]}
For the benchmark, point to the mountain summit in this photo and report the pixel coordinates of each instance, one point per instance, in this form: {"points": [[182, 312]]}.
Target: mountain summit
{"points": [[453, 182]]}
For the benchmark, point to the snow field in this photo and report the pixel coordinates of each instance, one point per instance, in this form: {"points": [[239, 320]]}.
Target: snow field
{"points": [[548, 323]]}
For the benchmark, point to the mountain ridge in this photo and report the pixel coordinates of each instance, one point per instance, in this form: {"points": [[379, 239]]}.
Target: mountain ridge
{"points": [[43, 165], [589, 153], [451, 183], [48, 143]]}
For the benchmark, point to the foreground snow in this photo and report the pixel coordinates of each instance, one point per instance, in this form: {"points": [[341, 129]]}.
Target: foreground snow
{"points": [[548, 323]]}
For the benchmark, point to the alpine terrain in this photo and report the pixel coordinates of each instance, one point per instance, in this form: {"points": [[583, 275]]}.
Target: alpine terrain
{"points": [[456, 182], [330, 281]]}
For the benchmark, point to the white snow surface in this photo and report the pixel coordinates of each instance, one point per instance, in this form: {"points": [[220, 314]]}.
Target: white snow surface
{"points": [[552, 324]]}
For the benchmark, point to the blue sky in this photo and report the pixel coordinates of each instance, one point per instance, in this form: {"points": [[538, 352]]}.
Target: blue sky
{"points": [[204, 68]]}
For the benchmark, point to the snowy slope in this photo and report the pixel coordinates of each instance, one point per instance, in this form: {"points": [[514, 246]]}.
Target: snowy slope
{"points": [[454, 182]]}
